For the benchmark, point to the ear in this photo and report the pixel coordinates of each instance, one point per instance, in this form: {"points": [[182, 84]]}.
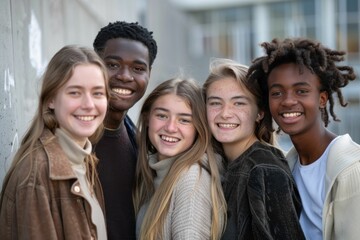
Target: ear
{"points": [[51, 104], [260, 116], [323, 99]]}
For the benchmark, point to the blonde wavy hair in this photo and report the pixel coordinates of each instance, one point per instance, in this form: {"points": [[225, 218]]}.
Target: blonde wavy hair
{"points": [[152, 227], [221, 68]]}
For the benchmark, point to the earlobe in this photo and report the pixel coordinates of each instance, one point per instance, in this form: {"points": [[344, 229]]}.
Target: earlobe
{"points": [[260, 116], [51, 104], [323, 99]]}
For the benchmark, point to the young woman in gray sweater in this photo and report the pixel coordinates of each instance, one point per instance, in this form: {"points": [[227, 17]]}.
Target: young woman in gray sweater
{"points": [[178, 192]]}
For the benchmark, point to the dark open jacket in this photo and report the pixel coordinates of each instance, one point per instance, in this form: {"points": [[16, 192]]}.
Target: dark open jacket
{"points": [[263, 201], [43, 198]]}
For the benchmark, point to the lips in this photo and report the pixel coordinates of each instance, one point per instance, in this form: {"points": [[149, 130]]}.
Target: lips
{"points": [[169, 139], [228, 125], [85, 118], [291, 114], [290, 117], [122, 91]]}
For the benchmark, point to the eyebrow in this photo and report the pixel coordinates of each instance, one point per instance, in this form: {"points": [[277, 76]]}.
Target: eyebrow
{"points": [[166, 110], [82, 87], [233, 98], [298, 84], [111, 57]]}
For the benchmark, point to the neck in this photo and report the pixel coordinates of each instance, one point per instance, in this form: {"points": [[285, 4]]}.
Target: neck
{"points": [[310, 147], [113, 120], [234, 150]]}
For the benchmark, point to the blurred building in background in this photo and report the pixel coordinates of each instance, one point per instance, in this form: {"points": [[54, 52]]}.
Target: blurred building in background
{"points": [[235, 28], [188, 33]]}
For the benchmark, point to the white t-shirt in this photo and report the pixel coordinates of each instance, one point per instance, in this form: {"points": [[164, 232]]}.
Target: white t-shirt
{"points": [[310, 180]]}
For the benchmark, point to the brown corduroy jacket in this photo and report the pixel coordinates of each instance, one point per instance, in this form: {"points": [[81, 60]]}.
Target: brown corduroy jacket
{"points": [[43, 198]]}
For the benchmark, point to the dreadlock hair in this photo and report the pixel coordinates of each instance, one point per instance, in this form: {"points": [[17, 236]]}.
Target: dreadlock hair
{"points": [[132, 31], [311, 54]]}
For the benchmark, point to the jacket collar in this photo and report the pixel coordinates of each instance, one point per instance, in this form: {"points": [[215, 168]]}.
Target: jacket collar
{"points": [[344, 148], [59, 164]]}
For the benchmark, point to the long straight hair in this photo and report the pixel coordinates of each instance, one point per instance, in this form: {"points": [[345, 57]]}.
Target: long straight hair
{"points": [[58, 72], [152, 227]]}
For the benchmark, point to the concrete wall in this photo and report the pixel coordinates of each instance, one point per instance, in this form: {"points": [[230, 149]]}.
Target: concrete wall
{"points": [[31, 31]]}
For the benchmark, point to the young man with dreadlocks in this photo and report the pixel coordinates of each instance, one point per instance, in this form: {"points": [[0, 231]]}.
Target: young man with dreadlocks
{"points": [[128, 51], [299, 77]]}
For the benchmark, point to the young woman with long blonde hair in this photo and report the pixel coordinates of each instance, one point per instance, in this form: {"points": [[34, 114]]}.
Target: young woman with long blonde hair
{"points": [[178, 191], [51, 191]]}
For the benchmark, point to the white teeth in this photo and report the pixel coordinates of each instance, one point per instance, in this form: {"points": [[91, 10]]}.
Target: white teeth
{"points": [[289, 115], [122, 91], [169, 139], [228, 125], [86, 118]]}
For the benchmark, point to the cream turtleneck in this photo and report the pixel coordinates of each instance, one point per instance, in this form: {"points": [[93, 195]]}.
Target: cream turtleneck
{"points": [[77, 155]]}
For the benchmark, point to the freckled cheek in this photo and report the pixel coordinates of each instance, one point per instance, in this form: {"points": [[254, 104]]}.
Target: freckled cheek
{"points": [[192, 134], [247, 115], [155, 125], [211, 113]]}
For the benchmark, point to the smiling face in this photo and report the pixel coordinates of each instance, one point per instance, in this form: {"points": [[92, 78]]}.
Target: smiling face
{"points": [[129, 71], [295, 99], [171, 130], [231, 113], [80, 105]]}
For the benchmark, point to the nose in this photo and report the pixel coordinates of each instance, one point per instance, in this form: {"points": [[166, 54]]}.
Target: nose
{"points": [[171, 125], [226, 111], [87, 101], [289, 100], [124, 74]]}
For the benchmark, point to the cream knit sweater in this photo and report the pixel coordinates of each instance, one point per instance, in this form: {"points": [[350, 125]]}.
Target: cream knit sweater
{"points": [[189, 215], [76, 156]]}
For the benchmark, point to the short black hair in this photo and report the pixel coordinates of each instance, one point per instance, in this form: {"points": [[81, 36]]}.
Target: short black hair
{"points": [[132, 31], [308, 53]]}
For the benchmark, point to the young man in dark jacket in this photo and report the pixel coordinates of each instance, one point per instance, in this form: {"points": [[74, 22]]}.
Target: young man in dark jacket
{"points": [[128, 51]]}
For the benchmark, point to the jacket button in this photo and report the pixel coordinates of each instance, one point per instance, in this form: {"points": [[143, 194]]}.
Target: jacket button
{"points": [[77, 189]]}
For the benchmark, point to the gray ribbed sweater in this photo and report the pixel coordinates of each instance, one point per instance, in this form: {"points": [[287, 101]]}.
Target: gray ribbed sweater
{"points": [[189, 215]]}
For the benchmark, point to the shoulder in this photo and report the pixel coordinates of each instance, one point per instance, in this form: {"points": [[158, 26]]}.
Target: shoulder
{"points": [[344, 154], [347, 183], [33, 170], [267, 156], [269, 164], [264, 150], [194, 174], [193, 178]]}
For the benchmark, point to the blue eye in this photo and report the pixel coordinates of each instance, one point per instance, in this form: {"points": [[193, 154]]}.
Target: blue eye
{"points": [[184, 121], [74, 93], [99, 94]]}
